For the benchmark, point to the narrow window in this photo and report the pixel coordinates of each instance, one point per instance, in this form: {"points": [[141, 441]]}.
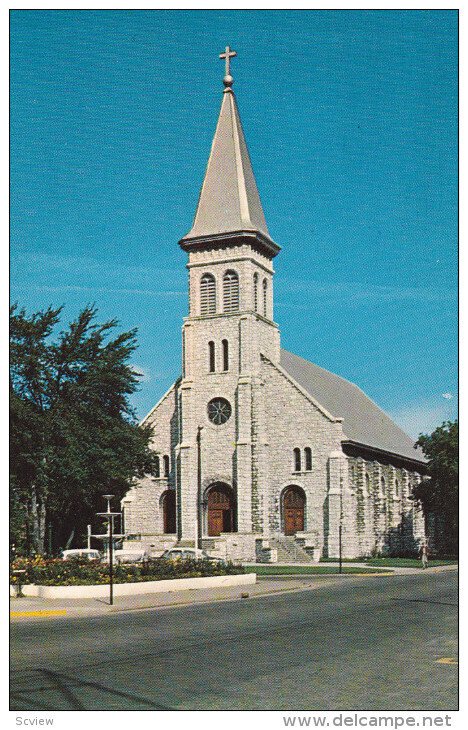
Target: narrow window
{"points": [[166, 466], [397, 488], [367, 483], [157, 467], [207, 294], [255, 285], [265, 287], [382, 487], [211, 356], [231, 291], [225, 355], [308, 458], [297, 460]]}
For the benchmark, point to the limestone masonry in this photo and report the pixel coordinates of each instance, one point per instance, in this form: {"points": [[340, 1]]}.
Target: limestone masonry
{"points": [[262, 454]]}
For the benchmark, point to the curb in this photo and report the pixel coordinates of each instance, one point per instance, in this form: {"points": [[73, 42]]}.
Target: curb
{"points": [[38, 614]]}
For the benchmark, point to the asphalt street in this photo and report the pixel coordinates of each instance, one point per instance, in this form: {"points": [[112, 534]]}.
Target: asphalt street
{"points": [[359, 644]]}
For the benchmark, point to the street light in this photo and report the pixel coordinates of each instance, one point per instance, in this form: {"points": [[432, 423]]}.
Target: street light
{"points": [[109, 516]]}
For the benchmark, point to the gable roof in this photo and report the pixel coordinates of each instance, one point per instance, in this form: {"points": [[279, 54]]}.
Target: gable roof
{"points": [[364, 422]]}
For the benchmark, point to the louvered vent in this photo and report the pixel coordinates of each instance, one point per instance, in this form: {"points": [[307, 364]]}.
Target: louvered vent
{"points": [[231, 291], [207, 294]]}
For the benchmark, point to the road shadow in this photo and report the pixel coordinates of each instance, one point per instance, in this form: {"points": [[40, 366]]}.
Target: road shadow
{"points": [[48, 690]]}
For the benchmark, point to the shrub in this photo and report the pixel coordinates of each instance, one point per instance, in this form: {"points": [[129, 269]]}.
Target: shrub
{"points": [[53, 572]]}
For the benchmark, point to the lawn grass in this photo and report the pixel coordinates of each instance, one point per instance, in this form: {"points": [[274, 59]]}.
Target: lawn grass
{"points": [[303, 570], [406, 562]]}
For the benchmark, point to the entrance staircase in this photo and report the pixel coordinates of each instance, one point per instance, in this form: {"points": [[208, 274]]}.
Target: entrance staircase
{"points": [[289, 551]]}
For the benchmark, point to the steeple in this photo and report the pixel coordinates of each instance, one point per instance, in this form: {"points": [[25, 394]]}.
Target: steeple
{"points": [[229, 207]]}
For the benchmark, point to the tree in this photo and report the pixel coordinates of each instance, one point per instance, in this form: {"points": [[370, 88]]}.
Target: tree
{"points": [[439, 492], [74, 435]]}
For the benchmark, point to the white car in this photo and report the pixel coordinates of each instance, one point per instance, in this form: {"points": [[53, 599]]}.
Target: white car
{"points": [[188, 554], [84, 553], [130, 556]]}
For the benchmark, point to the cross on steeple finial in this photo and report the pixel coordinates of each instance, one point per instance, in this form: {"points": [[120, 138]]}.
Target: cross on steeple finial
{"points": [[228, 54]]}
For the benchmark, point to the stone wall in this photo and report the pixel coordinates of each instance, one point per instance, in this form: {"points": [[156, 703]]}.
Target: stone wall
{"points": [[388, 521]]}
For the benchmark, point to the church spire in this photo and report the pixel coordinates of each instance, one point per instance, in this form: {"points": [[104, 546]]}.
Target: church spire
{"points": [[229, 205]]}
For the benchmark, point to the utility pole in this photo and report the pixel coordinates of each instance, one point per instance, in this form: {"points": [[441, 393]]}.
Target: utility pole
{"points": [[340, 528], [199, 535]]}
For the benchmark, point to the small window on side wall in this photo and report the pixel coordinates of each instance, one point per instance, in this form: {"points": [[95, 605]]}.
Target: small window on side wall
{"points": [[157, 467], [308, 458], [167, 466], [297, 459]]}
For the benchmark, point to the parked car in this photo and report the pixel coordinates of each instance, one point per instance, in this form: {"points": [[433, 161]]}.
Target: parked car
{"points": [[187, 553], [86, 553], [130, 556]]}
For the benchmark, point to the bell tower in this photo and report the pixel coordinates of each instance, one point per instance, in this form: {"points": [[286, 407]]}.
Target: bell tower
{"points": [[229, 324]]}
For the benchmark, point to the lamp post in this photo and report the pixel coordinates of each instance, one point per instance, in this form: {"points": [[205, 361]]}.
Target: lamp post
{"points": [[109, 516]]}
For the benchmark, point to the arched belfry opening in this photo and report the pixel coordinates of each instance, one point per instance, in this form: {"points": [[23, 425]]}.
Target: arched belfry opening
{"points": [[220, 509], [293, 503], [168, 509]]}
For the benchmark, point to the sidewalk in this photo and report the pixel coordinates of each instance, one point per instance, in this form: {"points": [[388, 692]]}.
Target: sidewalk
{"points": [[45, 608]]}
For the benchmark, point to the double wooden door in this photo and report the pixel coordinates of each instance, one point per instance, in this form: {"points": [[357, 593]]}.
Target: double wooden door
{"points": [[220, 511], [293, 507]]}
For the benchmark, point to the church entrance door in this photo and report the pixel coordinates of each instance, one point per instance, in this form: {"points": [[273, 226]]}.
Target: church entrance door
{"points": [[220, 510], [293, 508]]}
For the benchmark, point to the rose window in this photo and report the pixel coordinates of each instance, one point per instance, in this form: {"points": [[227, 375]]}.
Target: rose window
{"points": [[219, 411]]}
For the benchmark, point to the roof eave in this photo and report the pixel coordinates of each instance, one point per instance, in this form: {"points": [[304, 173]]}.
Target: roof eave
{"points": [[384, 452], [252, 237]]}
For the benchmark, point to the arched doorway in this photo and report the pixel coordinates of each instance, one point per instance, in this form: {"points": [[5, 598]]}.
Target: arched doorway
{"points": [[168, 504], [220, 510], [293, 510]]}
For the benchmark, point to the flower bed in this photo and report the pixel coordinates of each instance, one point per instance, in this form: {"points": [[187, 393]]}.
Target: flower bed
{"points": [[42, 572]]}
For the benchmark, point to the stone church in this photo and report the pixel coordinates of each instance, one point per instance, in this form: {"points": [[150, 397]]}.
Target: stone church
{"points": [[263, 455]]}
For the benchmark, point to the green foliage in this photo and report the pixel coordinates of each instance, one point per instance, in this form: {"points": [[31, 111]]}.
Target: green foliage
{"points": [[439, 492], [40, 571], [73, 432]]}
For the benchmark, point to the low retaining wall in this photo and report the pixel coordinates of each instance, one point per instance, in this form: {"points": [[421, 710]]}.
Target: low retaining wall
{"points": [[134, 589]]}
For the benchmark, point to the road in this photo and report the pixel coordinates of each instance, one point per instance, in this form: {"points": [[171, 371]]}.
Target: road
{"points": [[354, 644]]}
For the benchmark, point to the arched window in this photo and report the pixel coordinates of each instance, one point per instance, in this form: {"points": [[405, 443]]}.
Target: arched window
{"points": [[265, 287], [367, 483], [211, 357], [308, 458], [297, 459], [230, 291], [157, 467], [225, 344], [397, 488], [383, 487], [255, 285], [207, 294], [168, 505], [167, 465]]}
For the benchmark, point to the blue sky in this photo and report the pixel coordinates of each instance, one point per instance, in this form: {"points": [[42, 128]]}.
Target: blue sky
{"points": [[351, 122]]}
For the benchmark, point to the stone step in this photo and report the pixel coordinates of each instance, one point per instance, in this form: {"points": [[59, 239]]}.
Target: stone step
{"points": [[289, 551]]}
